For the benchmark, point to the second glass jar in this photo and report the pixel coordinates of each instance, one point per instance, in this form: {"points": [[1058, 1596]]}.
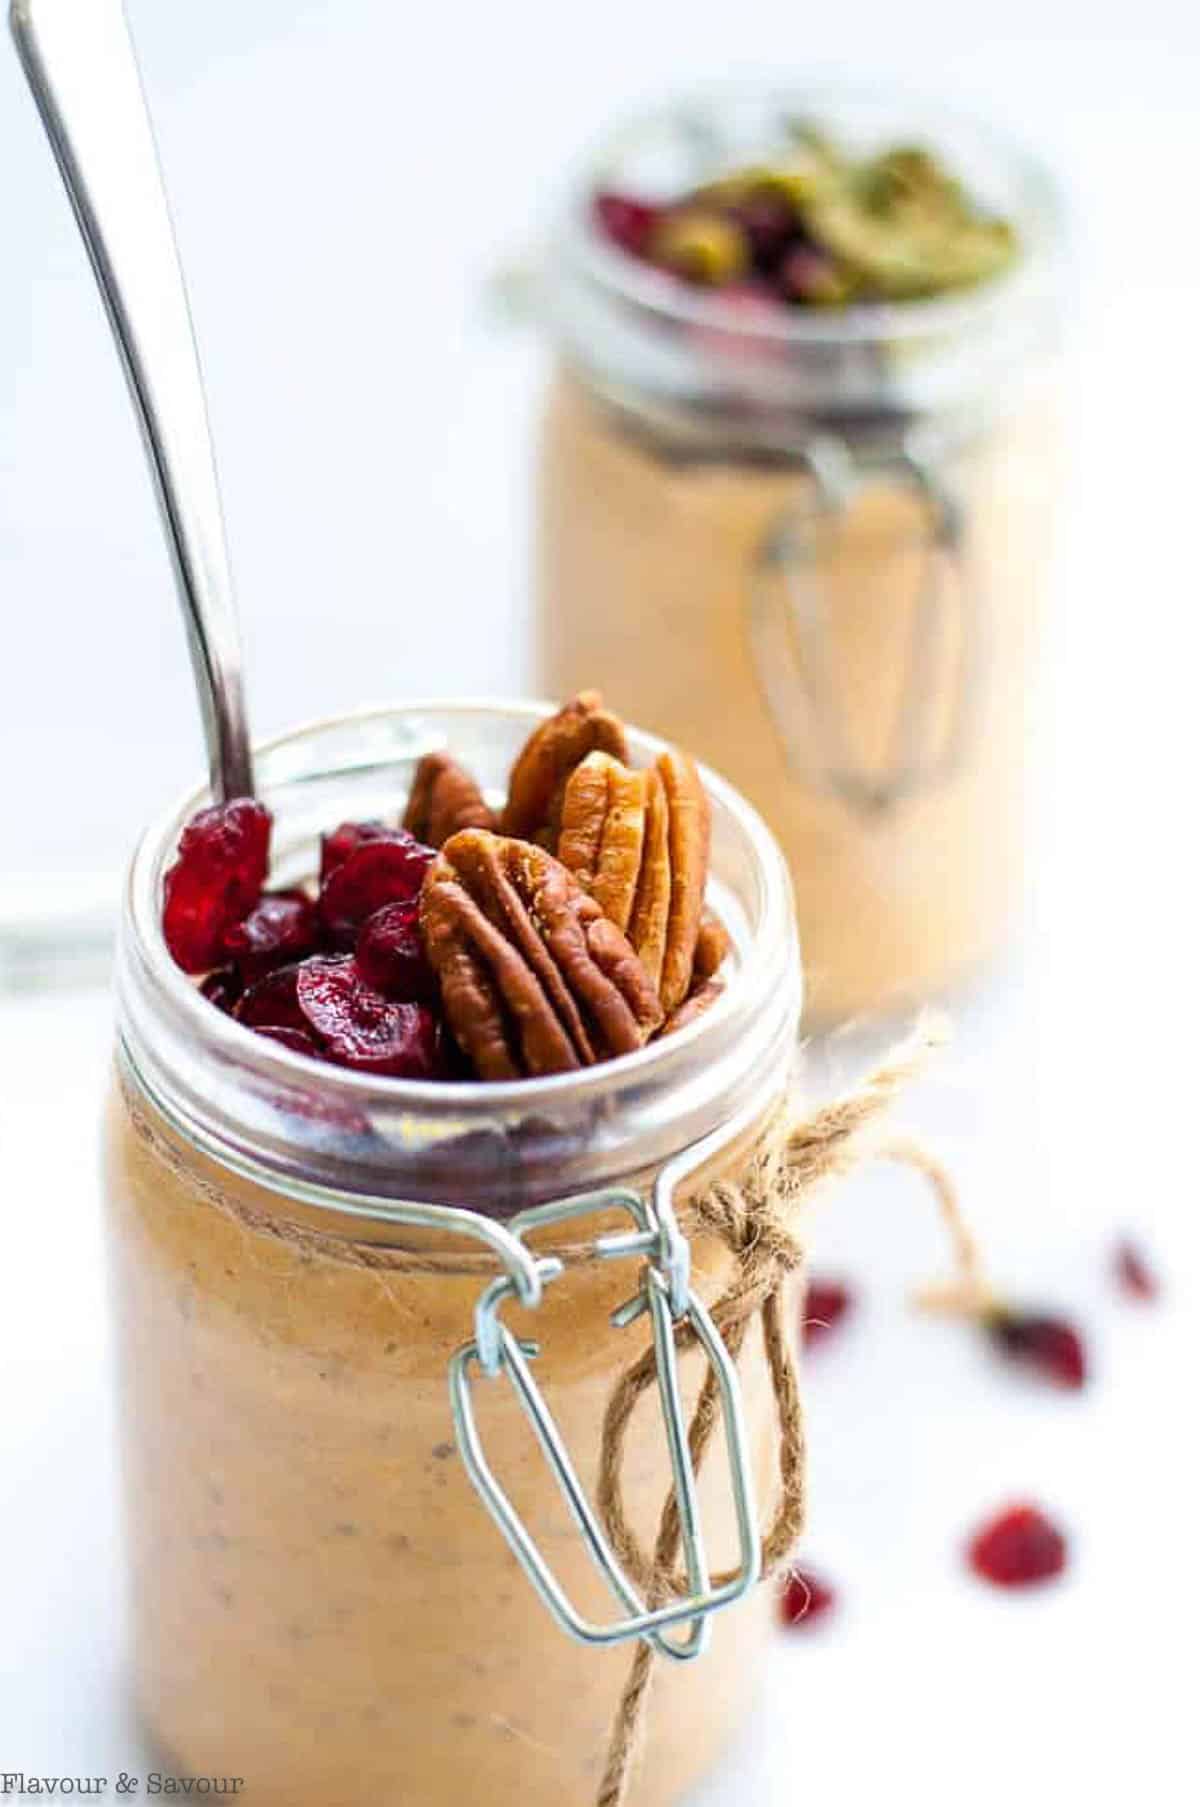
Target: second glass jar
{"points": [[811, 544]]}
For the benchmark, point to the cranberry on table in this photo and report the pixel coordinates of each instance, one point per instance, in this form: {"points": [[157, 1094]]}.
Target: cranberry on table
{"points": [[361, 1028], [378, 872], [804, 1598], [1049, 1347], [216, 880], [1019, 1547], [826, 1303], [1135, 1276], [282, 927]]}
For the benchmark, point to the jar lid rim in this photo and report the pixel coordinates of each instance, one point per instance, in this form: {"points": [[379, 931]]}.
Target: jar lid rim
{"points": [[185, 1017]]}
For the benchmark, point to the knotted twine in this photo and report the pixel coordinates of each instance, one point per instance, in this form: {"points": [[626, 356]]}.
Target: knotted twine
{"points": [[757, 1217]]}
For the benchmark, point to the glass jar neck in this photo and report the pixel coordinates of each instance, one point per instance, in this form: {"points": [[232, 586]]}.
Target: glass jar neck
{"points": [[339, 1140]]}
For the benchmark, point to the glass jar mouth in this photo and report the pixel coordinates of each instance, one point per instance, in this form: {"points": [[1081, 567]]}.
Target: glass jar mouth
{"points": [[1034, 198], [706, 376], [168, 1027]]}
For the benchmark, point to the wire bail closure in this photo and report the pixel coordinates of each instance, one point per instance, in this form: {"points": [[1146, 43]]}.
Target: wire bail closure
{"points": [[665, 1292], [790, 638]]}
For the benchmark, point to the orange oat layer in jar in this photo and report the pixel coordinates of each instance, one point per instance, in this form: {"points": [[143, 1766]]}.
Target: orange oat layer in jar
{"points": [[302, 1238], [804, 530]]}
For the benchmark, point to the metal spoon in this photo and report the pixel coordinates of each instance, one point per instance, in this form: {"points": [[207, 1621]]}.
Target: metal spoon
{"points": [[79, 61]]}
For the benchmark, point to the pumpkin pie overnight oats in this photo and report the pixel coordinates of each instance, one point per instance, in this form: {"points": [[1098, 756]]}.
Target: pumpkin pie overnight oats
{"points": [[458, 963], [798, 467]]}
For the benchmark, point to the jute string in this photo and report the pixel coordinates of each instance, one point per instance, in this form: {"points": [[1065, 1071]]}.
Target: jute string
{"points": [[758, 1218]]}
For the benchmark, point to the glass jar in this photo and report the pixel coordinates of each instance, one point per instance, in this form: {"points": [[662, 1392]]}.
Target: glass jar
{"points": [[321, 1602], [810, 544]]}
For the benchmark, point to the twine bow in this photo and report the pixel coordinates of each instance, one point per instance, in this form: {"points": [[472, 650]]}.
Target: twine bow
{"points": [[758, 1220]]}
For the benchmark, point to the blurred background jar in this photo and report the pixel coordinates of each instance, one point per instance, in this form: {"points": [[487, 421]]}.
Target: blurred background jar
{"points": [[810, 541]]}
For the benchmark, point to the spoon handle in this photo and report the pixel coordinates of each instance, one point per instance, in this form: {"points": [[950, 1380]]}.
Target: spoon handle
{"points": [[79, 61]]}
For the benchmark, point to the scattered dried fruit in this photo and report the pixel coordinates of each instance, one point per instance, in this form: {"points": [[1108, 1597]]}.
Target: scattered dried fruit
{"points": [[1019, 1547], [534, 979], [1135, 1276], [1048, 1346], [378, 872], [804, 1598], [216, 880], [281, 928], [826, 1303], [358, 1027], [391, 954]]}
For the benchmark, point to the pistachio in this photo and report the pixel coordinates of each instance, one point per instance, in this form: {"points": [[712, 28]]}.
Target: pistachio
{"points": [[701, 247], [821, 228]]}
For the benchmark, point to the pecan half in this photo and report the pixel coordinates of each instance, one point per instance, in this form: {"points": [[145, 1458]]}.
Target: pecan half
{"points": [[603, 832], [443, 799], [689, 819], [652, 901], [534, 978], [700, 1000], [556, 746], [712, 945]]}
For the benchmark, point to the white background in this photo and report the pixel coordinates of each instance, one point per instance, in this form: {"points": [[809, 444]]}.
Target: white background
{"points": [[344, 179]]}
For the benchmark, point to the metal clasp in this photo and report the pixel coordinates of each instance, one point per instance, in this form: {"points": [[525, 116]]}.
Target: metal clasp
{"points": [[666, 1293], [792, 644]]}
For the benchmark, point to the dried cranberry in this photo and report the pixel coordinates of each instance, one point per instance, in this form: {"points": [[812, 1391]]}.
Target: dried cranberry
{"points": [[391, 956], [1135, 1276], [271, 1003], [1019, 1547], [627, 221], [769, 222], [359, 1027], [342, 842], [378, 873], [825, 1304], [282, 927], [216, 880], [806, 274], [295, 1039], [223, 988], [804, 1598], [1047, 1346]]}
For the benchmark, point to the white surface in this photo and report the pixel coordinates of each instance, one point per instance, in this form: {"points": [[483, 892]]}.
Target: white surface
{"points": [[343, 178]]}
